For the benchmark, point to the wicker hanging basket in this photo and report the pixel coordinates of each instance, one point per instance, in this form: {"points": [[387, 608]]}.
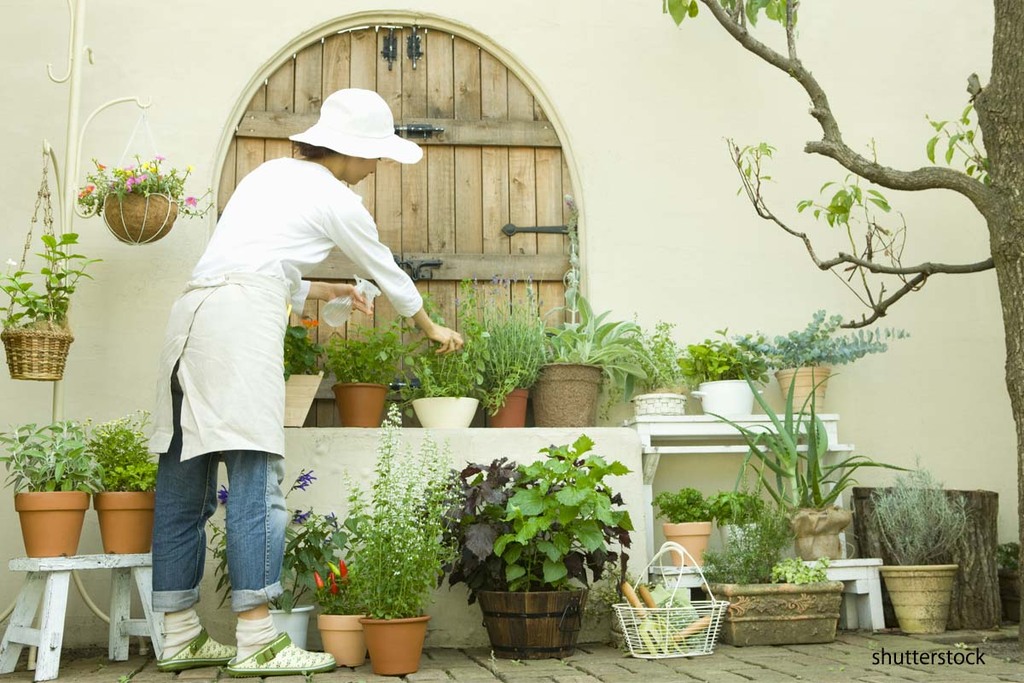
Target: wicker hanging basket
{"points": [[37, 352], [135, 219]]}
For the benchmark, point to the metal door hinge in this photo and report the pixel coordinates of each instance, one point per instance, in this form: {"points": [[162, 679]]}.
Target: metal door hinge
{"points": [[414, 47], [389, 50], [418, 130]]}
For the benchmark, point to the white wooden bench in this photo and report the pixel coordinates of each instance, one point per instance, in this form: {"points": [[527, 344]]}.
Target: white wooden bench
{"points": [[46, 584]]}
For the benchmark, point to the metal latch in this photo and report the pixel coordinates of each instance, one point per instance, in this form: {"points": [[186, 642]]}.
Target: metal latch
{"points": [[419, 269], [418, 130], [510, 229]]}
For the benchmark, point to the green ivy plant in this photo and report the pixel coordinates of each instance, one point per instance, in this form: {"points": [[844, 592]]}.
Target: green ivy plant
{"points": [[53, 457], [793, 570], [122, 449], [714, 360], [369, 355], [683, 506], [539, 526]]}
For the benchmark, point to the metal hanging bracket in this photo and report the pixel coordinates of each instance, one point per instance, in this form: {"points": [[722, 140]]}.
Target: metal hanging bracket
{"points": [[512, 229], [389, 51], [419, 269]]}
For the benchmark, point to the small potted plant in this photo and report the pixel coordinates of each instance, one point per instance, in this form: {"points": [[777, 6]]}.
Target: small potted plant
{"points": [[772, 601], [52, 474], [719, 369], [688, 522], [125, 504], [141, 201], [531, 537], [364, 365], [302, 373], [918, 524], [581, 354], [665, 383], [811, 353], [397, 548], [340, 613], [36, 337]]}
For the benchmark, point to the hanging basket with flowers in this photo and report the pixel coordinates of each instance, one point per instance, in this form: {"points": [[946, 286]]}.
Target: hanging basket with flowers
{"points": [[140, 202]]}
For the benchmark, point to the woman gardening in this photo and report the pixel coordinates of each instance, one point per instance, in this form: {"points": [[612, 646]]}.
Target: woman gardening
{"points": [[221, 392]]}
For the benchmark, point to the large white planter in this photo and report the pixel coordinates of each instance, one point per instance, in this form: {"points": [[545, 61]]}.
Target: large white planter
{"points": [[729, 398], [441, 413], [294, 623]]}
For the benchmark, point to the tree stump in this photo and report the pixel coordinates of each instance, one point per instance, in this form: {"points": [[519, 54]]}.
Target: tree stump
{"points": [[975, 602]]}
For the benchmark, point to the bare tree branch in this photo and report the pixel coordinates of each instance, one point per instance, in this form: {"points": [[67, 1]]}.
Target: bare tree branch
{"points": [[831, 145], [790, 26]]}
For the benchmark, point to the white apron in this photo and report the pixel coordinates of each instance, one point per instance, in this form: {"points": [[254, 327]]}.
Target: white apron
{"points": [[226, 334]]}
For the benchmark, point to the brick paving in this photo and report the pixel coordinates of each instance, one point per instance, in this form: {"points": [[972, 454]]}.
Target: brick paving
{"points": [[854, 656]]}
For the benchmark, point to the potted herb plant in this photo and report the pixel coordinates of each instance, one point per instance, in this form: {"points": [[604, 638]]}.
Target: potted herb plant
{"points": [[302, 373], [772, 601], [733, 511], [665, 383], [397, 547], [580, 355], [688, 522], [719, 369], [36, 337], [141, 201], [364, 365], [125, 504], [530, 537], [918, 524], [340, 613], [52, 474], [811, 353]]}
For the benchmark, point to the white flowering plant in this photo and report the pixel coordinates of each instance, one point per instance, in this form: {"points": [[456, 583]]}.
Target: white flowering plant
{"points": [[397, 542]]}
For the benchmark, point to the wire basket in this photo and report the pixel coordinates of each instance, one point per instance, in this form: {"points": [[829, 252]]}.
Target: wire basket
{"points": [[688, 629]]}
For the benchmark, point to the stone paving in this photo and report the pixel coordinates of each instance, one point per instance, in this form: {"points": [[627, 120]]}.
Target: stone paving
{"points": [[854, 656]]}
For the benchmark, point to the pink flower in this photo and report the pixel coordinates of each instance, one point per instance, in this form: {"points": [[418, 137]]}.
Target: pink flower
{"points": [[191, 201], [159, 158]]}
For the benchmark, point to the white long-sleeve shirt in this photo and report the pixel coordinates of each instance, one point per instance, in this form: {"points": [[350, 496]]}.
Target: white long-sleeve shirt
{"points": [[283, 220]]}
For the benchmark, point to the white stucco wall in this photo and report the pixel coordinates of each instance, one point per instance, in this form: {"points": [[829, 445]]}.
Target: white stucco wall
{"points": [[643, 109]]}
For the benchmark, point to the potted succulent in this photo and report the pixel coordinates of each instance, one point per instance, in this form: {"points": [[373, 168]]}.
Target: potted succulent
{"points": [[1008, 559], [36, 337], [52, 474], [688, 522], [719, 369], [302, 373], [364, 365], [340, 613], [580, 355], [397, 547], [530, 538], [790, 461], [665, 383], [125, 504], [918, 524], [811, 353], [141, 201], [772, 601]]}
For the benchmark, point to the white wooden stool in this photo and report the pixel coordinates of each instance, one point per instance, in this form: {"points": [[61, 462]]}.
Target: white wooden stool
{"points": [[48, 578], [862, 589]]}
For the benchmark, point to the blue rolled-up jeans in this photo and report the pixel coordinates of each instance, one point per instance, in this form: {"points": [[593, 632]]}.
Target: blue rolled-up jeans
{"points": [[186, 497]]}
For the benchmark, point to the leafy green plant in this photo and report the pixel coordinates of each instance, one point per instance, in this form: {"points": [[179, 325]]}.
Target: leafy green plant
{"points": [[789, 457], [660, 360], [122, 450], [143, 178], [750, 557], [370, 355], [917, 521], [715, 360], [683, 506], [817, 344], [62, 269], [53, 457], [539, 526], [735, 507], [515, 342], [965, 141], [397, 544], [301, 354], [793, 570], [1008, 556]]}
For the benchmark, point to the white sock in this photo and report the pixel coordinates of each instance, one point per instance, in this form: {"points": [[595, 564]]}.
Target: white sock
{"points": [[253, 635], [179, 630]]}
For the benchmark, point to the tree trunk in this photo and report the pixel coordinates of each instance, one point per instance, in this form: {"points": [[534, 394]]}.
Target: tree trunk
{"points": [[975, 602]]}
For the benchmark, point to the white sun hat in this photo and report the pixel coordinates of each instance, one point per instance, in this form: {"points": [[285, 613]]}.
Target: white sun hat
{"points": [[359, 123]]}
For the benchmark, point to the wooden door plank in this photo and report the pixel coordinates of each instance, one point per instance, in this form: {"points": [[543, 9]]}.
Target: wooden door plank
{"points": [[337, 64], [309, 64], [493, 88], [281, 98], [468, 201], [388, 183], [364, 75], [250, 152], [226, 185], [414, 80], [495, 198], [551, 295], [468, 90], [520, 101], [459, 266], [441, 165]]}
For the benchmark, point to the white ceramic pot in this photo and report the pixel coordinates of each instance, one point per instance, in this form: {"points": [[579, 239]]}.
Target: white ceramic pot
{"points": [[294, 623], [441, 413], [730, 398]]}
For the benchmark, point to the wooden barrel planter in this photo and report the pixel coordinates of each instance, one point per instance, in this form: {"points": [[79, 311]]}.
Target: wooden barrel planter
{"points": [[535, 625]]}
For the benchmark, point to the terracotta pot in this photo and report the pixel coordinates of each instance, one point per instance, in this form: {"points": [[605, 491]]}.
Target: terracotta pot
{"points": [[139, 220], [817, 532], [126, 520], [533, 625], [299, 393], [920, 595], [513, 413], [806, 378], [360, 405], [342, 636], [693, 536], [51, 522], [395, 645], [445, 412], [566, 395]]}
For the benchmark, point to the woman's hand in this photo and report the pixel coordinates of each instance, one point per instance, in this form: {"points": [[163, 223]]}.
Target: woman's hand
{"points": [[448, 339], [325, 291]]}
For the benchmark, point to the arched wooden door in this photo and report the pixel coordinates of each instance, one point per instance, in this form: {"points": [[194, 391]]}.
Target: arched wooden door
{"points": [[498, 161]]}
